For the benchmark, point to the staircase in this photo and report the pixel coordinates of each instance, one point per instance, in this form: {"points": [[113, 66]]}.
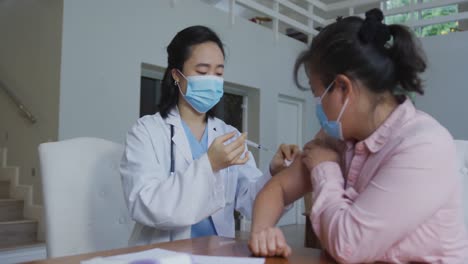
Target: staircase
{"points": [[19, 225]]}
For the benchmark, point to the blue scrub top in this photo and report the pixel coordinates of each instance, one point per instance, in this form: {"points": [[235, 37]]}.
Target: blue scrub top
{"points": [[205, 227]]}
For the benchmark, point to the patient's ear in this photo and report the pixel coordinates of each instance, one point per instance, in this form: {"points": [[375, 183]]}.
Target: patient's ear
{"points": [[346, 86]]}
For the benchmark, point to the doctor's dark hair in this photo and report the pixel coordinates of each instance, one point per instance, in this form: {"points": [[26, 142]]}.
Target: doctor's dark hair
{"points": [[179, 51], [383, 57]]}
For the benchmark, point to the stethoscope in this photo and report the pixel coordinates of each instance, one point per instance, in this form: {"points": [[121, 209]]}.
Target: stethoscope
{"points": [[172, 171], [172, 151]]}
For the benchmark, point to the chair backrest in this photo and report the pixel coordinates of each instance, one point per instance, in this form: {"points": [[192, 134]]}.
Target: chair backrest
{"points": [[462, 154], [84, 205]]}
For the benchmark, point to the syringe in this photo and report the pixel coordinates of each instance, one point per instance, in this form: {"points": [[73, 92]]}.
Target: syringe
{"points": [[255, 145], [287, 163]]}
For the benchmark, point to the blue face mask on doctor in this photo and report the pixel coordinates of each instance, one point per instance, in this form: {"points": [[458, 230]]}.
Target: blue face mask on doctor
{"points": [[332, 128], [203, 91]]}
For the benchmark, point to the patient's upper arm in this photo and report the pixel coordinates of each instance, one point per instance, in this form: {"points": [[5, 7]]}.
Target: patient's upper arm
{"points": [[294, 181]]}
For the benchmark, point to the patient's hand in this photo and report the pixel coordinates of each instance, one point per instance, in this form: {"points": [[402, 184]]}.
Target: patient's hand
{"points": [[269, 242], [336, 144], [317, 151]]}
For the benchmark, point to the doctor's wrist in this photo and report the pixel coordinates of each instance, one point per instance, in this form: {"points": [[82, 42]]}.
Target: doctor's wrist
{"points": [[214, 168]]}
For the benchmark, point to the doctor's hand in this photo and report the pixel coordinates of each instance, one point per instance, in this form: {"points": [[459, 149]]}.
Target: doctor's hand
{"points": [[222, 156], [269, 242], [283, 157]]}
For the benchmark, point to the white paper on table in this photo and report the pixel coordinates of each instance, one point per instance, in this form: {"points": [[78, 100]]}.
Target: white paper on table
{"points": [[226, 260], [160, 254]]}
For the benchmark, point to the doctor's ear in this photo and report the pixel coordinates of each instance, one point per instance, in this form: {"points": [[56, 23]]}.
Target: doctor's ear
{"points": [[175, 75]]}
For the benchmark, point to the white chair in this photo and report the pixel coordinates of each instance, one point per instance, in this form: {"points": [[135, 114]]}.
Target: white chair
{"points": [[462, 153], [84, 205]]}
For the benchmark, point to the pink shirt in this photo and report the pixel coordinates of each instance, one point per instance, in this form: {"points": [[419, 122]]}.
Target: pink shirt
{"points": [[401, 201]]}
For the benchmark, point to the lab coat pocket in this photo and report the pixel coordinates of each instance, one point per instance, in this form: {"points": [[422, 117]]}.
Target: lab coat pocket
{"points": [[230, 185]]}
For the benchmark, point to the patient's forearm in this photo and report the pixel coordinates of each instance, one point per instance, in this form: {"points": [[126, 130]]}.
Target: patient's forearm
{"points": [[283, 189], [268, 206]]}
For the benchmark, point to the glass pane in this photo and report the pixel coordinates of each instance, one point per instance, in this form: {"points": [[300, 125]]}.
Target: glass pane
{"points": [[230, 110], [398, 19], [149, 96], [397, 3], [439, 29], [439, 11]]}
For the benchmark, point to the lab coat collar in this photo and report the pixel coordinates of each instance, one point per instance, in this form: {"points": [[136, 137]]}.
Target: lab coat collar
{"points": [[173, 118]]}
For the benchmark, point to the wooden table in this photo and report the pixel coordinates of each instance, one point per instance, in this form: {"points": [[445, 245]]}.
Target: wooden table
{"points": [[214, 246]]}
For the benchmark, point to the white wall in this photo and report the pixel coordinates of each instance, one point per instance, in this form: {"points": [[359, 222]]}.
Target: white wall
{"points": [[446, 81], [105, 42], [30, 46]]}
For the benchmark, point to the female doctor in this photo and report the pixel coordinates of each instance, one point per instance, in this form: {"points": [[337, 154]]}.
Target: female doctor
{"points": [[184, 172]]}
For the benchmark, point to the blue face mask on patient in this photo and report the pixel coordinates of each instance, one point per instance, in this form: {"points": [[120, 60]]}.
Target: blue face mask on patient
{"points": [[332, 128], [203, 91]]}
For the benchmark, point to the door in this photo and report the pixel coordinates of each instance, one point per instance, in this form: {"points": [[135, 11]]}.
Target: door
{"points": [[289, 129]]}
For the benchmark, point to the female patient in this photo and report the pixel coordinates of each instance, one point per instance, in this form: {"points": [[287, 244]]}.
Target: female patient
{"points": [[392, 192]]}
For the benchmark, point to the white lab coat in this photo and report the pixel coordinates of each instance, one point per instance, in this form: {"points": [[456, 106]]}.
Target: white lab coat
{"points": [[165, 207]]}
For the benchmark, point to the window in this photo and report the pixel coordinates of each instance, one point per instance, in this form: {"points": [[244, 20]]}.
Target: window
{"points": [[439, 29], [149, 95], [229, 109], [397, 3], [430, 30]]}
